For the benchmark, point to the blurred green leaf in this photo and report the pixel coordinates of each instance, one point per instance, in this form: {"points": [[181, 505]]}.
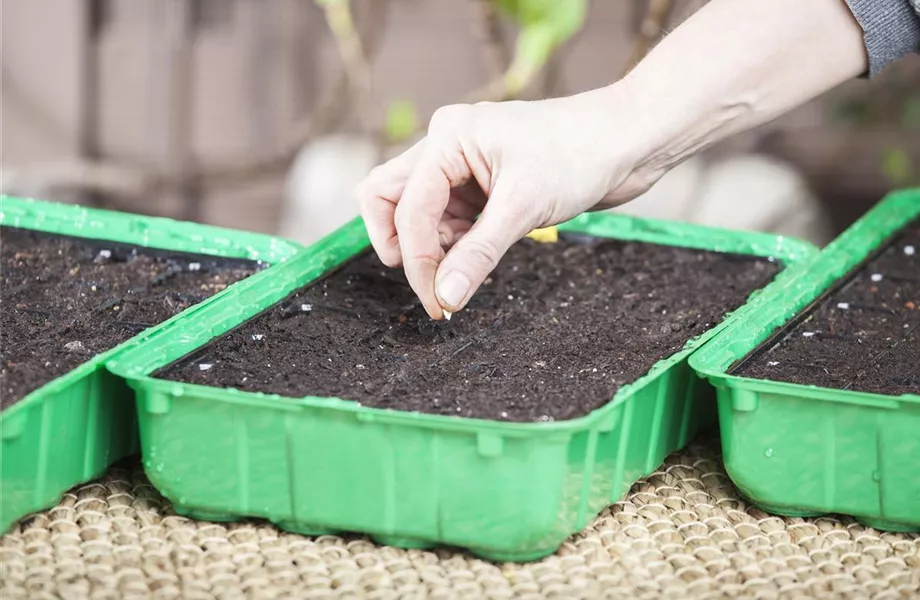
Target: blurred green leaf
{"points": [[545, 25], [852, 111], [401, 121], [910, 116], [897, 165]]}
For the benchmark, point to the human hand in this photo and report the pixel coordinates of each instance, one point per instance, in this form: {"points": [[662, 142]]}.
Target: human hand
{"points": [[734, 65], [522, 165]]}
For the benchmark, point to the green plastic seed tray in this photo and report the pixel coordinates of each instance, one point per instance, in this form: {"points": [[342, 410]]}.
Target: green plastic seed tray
{"points": [[802, 450], [71, 429], [505, 491]]}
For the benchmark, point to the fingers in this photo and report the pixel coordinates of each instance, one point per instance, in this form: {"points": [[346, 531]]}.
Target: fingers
{"points": [[378, 196], [477, 253], [450, 230], [417, 217]]}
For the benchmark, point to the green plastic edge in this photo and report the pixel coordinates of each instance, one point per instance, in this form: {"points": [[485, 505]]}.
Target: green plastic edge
{"points": [[740, 397], [153, 232], [167, 409], [352, 239]]}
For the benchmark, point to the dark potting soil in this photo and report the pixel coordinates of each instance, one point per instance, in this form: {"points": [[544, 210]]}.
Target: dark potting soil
{"points": [[553, 334], [65, 300], [864, 335]]}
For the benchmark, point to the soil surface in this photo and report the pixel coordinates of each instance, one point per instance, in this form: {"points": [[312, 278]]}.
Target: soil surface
{"points": [[864, 335], [65, 300], [552, 335]]}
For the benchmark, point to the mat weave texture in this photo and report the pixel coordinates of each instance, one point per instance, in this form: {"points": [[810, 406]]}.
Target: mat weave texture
{"points": [[680, 533]]}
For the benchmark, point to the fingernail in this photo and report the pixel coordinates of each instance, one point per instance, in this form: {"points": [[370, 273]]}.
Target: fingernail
{"points": [[453, 288]]}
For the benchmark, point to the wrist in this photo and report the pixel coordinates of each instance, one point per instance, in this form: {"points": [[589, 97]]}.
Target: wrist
{"points": [[639, 134], [622, 131]]}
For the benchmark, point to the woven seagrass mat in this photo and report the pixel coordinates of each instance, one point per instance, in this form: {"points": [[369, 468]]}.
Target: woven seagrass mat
{"points": [[681, 533]]}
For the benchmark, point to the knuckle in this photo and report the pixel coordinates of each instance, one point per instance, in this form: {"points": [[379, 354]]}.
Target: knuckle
{"points": [[448, 117], [376, 175], [400, 217], [481, 253]]}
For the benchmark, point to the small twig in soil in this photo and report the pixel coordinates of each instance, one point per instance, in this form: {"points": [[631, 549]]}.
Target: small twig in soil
{"points": [[295, 308], [187, 298], [461, 348], [134, 325], [902, 279], [450, 356], [790, 363], [872, 308], [109, 304], [841, 337], [170, 272], [338, 309]]}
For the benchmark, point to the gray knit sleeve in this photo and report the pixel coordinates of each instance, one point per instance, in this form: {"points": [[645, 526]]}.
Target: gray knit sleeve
{"points": [[891, 29]]}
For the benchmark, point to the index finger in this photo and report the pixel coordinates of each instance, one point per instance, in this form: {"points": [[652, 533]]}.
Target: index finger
{"points": [[418, 213], [378, 196]]}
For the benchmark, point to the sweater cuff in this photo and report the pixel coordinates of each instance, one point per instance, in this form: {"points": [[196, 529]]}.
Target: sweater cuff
{"points": [[891, 30]]}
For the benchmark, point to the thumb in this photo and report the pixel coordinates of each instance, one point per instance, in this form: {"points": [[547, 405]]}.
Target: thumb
{"points": [[477, 253]]}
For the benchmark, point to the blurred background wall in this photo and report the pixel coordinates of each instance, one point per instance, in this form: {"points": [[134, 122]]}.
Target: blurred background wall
{"points": [[253, 114]]}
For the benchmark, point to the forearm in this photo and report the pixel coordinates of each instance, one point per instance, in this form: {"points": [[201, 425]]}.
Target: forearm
{"points": [[734, 65]]}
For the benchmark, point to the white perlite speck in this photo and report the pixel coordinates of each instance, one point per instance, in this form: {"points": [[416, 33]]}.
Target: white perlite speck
{"points": [[772, 363], [258, 336], [910, 250], [204, 366], [74, 347], [195, 266], [876, 277], [306, 307], [843, 305], [808, 333]]}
